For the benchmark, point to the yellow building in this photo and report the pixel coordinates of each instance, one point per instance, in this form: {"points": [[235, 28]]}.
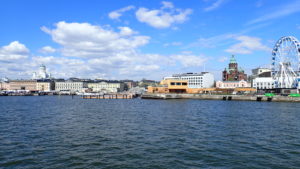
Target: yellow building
{"points": [[170, 86]]}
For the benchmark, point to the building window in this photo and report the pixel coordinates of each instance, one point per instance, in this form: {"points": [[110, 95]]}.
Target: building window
{"points": [[172, 83]]}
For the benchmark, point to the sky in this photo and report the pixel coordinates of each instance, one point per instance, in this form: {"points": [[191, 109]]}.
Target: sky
{"points": [[135, 39]]}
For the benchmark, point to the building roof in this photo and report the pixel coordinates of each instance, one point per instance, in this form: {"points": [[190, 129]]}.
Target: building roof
{"points": [[190, 74], [235, 81], [232, 59], [240, 69]]}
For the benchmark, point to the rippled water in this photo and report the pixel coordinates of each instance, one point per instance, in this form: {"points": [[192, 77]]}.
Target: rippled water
{"points": [[61, 132]]}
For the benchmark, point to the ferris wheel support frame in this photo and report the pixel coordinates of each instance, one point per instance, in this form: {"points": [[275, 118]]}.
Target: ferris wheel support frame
{"points": [[285, 77]]}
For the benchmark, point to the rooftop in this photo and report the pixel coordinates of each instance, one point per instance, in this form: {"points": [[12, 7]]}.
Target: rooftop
{"points": [[190, 74], [232, 59]]}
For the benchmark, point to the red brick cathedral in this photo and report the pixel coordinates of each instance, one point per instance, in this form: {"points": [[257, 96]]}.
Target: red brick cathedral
{"points": [[233, 72]]}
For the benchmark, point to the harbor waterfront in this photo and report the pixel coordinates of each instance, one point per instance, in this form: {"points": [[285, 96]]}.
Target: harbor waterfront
{"points": [[160, 84], [221, 97], [61, 132]]}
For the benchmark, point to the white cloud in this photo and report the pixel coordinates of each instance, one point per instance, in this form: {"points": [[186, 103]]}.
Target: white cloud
{"points": [[223, 59], [86, 40], [167, 4], [189, 60], [212, 42], [247, 45], [281, 11], [103, 50], [126, 31], [146, 67], [214, 6], [14, 51], [118, 13], [91, 51], [164, 17], [47, 49], [47, 60]]}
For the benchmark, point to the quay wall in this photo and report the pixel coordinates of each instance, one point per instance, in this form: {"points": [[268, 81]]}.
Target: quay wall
{"points": [[220, 97]]}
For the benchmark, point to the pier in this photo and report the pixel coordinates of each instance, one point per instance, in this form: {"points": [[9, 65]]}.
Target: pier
{"points": [[221, 97], [109, 96]]}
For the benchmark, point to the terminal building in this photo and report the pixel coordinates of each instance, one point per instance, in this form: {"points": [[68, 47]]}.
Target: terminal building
{"points": [[185, 83], [197, 80]]}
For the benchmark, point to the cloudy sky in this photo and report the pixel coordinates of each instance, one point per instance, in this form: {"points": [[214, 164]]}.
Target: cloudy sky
{"points": [[135, 39]]}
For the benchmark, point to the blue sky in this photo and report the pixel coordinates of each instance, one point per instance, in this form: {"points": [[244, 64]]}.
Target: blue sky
{"points": [[134, 39]]}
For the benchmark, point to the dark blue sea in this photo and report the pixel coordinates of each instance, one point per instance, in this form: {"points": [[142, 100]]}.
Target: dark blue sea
{"points": [[61, 132]]}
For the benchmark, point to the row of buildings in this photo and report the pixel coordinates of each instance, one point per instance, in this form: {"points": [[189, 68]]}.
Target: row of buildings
{"points": [[47, 85], [42, 81], [234, 79], [184, 83]]}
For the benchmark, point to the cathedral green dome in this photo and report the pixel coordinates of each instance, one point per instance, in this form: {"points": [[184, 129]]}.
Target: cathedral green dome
{"points": [[232, 59]]}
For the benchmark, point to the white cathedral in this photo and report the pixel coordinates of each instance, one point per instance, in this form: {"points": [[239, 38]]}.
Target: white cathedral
{"points": [[41, 74]]}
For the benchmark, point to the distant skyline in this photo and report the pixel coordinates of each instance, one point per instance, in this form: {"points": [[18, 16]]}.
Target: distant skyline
{"points": [[134, 39]]}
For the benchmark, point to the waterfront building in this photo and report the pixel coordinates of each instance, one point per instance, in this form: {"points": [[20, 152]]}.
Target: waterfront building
{"points": [[106, 86], [41, 74], [197, 80], [233, 72], [170, 86], [45, 85], [232, 84], [72, 86], [30, 85], [263, 83], [145, 83], [128, 84], [175, 85], [4, 85], [261, 79]]}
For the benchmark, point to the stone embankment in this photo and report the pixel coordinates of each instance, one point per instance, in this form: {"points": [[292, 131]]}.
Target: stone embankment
{"points": [[221, 97]]}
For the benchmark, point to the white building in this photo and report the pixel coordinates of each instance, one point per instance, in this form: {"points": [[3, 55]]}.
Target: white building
{"points": [[197, 80], [41, 74], [106, 86], [72, 86], [232, 84], [268, 83], [263, 83]]}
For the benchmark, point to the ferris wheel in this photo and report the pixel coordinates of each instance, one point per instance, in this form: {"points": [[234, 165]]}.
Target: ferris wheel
{"points": [[286, 62]]}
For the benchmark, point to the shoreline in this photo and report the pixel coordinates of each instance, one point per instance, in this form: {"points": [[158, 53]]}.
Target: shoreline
{"points": [[221, 97]]}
